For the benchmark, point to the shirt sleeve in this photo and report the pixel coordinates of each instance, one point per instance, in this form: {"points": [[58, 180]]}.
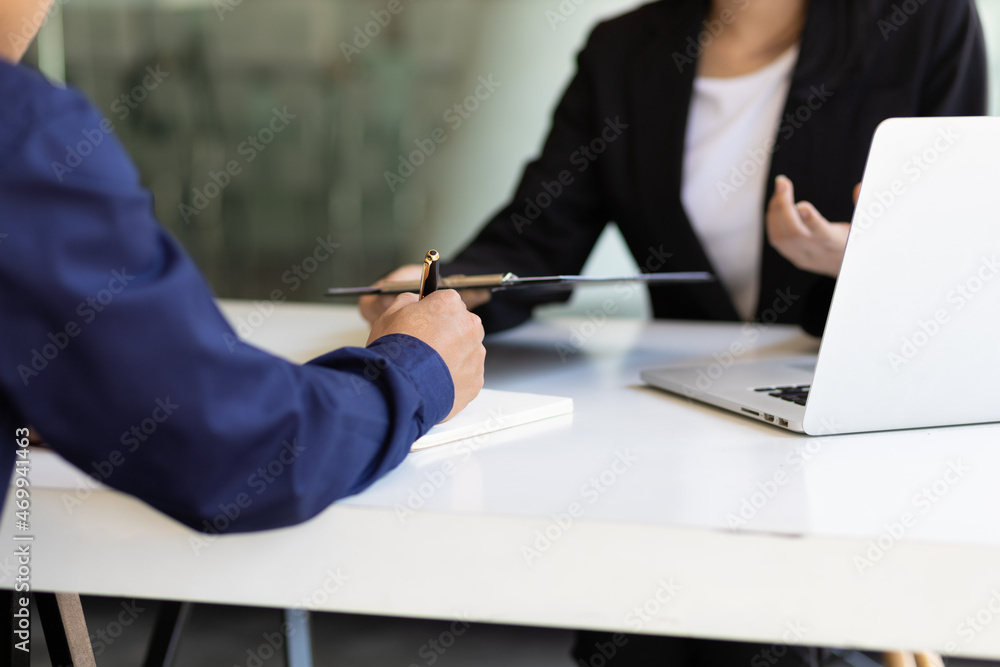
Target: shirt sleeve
{"points": [[114, 349]]}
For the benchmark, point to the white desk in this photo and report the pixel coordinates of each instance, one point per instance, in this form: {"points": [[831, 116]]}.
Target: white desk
{"points": [[658, 523]]}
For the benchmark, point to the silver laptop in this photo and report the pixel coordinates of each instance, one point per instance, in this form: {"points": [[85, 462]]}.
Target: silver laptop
{"points": [[913, 335]]}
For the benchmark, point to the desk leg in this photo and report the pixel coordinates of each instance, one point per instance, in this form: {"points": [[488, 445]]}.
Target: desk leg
{"points": [[66, 636], [55, 636], [7, 640], [298, 646], [170, 620]]}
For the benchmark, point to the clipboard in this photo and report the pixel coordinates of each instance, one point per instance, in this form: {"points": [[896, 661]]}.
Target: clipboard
{"points": [[499, 282]]}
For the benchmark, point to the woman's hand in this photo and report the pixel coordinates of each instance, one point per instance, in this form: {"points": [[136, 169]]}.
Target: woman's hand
{"points": [[373, 306], [802, 235]]}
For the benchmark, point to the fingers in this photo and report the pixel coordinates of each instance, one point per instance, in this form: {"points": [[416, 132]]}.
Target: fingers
{"points": [[450, 303], [474, 298], [401, 301], [802, 234], [442, 321], [457, 335], [785, 189], [382, 325], [787, 219], [857, 193], [372, 307], [398, 301], [898, 659], [784, 220], [468, 369], [444, 300], [812, 219]]}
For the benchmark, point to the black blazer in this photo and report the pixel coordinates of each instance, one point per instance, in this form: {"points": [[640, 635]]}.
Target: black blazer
{"points": [[629, 102]]}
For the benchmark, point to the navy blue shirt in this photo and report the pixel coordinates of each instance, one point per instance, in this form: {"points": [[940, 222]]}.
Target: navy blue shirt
{"points": [[112, 347]]}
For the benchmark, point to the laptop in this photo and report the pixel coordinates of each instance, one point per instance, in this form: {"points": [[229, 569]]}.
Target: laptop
{"points": [[913, 335]]}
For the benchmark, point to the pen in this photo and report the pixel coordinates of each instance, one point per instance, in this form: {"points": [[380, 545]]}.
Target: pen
{"points": [[429, 281]]}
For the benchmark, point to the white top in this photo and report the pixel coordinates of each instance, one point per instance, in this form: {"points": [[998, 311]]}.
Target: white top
{"points": [[731, 131]]}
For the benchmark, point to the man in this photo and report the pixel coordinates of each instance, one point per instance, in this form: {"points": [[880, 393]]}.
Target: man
{"points": [[113, 349]]}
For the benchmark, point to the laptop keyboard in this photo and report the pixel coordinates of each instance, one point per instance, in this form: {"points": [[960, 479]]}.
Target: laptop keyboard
{"points": [[797, 395]]}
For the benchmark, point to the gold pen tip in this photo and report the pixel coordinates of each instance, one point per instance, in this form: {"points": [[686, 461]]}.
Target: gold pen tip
{"points": [[432, 256]]}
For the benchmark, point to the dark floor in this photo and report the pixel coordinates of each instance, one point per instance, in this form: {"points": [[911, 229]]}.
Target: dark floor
{"points": [[224, 636]]}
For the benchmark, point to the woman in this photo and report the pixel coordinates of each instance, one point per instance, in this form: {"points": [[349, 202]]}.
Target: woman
{"points": [[678, 123]]}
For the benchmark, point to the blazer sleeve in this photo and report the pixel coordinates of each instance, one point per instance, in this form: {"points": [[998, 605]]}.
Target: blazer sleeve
{"points": [[114, 349], [558, 209], [953, 83], [957, 82]]}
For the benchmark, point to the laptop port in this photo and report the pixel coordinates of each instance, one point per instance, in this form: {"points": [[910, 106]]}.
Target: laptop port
{"points": [[783, 422], [769, 418], [751, 412]]}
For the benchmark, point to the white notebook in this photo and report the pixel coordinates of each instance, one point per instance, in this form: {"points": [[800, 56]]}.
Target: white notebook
{"points": [[494, 410]]}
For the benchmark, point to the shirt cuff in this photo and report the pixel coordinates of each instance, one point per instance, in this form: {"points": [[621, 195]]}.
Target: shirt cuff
{"points": [[421, 362], [413, 361]]}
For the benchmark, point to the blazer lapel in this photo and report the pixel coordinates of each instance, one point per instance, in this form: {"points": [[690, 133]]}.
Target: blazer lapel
{"points": [[662, 81], [796, 142]]}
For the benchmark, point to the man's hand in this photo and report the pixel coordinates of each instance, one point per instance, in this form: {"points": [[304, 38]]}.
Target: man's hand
{"points": [[372, 307], [800, 233], [442, 321]]}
